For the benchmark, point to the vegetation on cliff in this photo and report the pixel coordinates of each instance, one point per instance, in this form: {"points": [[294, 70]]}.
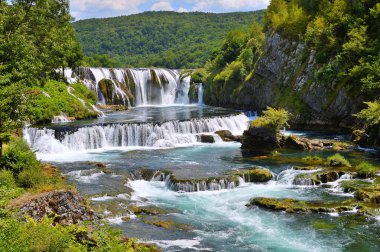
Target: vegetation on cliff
{"points": [[160, 39], [311, 57]]}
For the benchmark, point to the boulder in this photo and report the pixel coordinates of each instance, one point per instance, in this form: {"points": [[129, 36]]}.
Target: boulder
{"points": [[207, 139], [260, 138], [227, 136], [65, 206], [298, 206], [255, 175]]}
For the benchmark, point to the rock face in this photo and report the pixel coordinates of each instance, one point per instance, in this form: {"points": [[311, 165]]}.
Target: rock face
{"points": [[66, 206], [260, 139], [285, 76]]}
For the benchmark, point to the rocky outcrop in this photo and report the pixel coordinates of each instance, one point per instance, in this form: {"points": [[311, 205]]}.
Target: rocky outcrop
{"points": [[285, 75], [298, 206], [65, 206], [261, 138], [227, 136]]}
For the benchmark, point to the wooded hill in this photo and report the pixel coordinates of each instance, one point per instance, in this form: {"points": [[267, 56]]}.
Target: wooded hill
{"points": [[161, 39]]}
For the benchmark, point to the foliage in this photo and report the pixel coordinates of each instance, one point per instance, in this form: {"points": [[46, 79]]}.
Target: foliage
{"points": [[18, 156], [230, 66], [160, 39], [54, 99], [337, 160], [344, 34], [43, 236], [12, 111], [272, 118], [370, 115], [365, 170], [36, 39]]}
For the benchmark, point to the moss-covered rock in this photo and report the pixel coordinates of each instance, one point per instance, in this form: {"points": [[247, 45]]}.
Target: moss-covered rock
{"points": [[255, 175], [260, 138], [369, 194], [167, 224], [353, 185], [227, 136], [207, 139], [293, 206], [148, 210]]}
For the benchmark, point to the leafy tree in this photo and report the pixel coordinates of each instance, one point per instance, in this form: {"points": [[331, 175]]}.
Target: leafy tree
{"points": [[36, 39]]}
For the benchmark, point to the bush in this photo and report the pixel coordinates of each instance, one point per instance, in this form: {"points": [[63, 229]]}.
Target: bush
{"points": [[18, 157], [43, 236], [6, 179], [371, 114], [338, 160], [272, 118], [366, 170]]}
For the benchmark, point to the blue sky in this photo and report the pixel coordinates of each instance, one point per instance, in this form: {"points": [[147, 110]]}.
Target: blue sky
{"points": [[82, 9]]}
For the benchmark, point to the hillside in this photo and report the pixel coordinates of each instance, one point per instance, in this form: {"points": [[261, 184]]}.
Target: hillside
{"points": [[318, 59], [161, 39]]}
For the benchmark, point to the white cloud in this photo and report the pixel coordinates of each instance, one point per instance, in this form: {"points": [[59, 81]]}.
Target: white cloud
{"points": [[228, 5], [181, 9], [163, 6], [237, 4], [104, 8], [106, 4]]}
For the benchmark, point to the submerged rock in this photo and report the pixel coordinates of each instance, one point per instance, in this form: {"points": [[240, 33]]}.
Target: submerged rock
{"points": [[227, 136], [293, 206], [207, 139], [255, 175], [65, 206]]}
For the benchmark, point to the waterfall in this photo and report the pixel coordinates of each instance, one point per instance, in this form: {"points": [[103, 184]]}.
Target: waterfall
{"points": [[200, 94], [134, 87], [167, 134]]}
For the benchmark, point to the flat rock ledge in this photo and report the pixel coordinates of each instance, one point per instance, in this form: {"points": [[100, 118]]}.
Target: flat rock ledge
{"points": [[66, 207], [298, 206]]}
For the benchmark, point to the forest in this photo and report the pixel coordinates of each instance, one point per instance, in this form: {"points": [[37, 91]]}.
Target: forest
{"points": [[160, 39]]}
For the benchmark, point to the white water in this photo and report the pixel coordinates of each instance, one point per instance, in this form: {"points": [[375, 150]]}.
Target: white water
{"points": [[222, 220], [60, 119], [200, 94], [166, 135], [151, 86]]}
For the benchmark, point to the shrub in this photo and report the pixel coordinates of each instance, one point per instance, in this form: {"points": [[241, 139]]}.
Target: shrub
{"points": [[338, 160], [371, 114], [18, 157], [272, 118], [6, 179], [366, 170]]}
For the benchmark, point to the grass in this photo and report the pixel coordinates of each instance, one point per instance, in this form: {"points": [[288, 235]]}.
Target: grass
{"points": [[337, 160], [366, 170]]}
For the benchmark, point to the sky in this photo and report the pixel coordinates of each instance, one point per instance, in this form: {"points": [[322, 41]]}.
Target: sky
{"points": [[83, 9]]}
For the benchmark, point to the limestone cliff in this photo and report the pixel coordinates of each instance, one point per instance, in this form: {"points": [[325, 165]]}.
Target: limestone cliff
{"points": [[285, 76]]}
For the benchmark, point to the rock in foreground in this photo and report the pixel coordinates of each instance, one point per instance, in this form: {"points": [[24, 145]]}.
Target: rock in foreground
{"points": [[65, 206]]}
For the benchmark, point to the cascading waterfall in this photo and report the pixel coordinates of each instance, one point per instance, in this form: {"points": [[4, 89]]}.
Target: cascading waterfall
{"points": [[131, 87], [200, 94], [167, 134]]}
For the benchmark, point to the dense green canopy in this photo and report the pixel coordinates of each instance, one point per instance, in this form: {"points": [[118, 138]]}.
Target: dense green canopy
{"points": [[162, 39]]}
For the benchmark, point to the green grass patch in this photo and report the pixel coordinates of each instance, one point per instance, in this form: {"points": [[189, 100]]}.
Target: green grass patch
{"points": [[337, 160]]}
